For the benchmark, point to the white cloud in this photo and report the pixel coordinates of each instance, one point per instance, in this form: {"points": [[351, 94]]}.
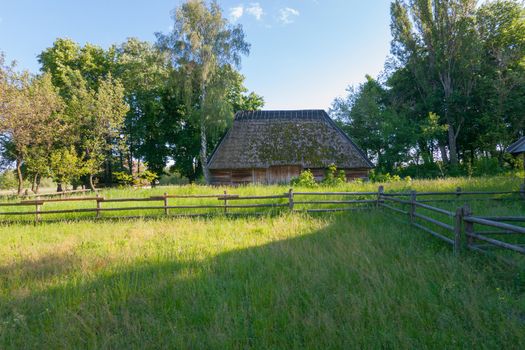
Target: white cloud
{"points": [[287, 14], [236, 12], [255, 10]]}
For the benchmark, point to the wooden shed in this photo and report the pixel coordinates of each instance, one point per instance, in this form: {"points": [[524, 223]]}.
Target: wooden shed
{"points": [[275, 146], [518, 148]]}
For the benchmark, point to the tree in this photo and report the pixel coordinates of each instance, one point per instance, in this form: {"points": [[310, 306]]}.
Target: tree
{"points": [[96, 117], [144, 71], [370, 117], [200, 44], [30, 118], [501, 96], [437, 40]]}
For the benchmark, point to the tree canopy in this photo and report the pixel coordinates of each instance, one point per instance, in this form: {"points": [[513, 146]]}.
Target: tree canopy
{"points": [[452, 93]]}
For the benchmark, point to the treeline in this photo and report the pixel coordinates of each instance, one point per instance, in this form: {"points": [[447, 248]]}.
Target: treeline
{"points": [[452, 95], [94, 112]]}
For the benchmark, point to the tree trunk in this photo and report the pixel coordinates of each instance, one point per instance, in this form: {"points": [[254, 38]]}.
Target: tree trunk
{"points": [[37, 188], [452, 144], [19, 175], [443, 151], [33, 184], [203, 156], [204, 141], [91, 185], [59, 187]]}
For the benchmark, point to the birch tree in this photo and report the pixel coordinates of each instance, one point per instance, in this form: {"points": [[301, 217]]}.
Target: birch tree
{"points": [[201, 43]]}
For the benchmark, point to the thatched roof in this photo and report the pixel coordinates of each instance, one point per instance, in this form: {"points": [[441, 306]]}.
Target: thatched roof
{"points": [[517, 147], [259, 139]]}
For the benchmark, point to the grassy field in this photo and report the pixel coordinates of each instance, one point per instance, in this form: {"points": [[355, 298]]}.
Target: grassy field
{"points": [[351, 280]]}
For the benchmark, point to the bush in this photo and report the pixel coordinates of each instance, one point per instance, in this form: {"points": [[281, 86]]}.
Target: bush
{"points": [[334, 177], [305, 179], [144, 178], [486, 166], [122, 178], [8, 180]]}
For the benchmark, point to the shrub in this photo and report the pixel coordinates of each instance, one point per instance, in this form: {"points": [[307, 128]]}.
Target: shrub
{"points": [[333, 177], [146, 178], [305, 179], [122, 178], [8, 180]]}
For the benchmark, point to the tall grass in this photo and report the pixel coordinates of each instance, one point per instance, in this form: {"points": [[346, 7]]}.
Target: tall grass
{"points": [[351, 280]]}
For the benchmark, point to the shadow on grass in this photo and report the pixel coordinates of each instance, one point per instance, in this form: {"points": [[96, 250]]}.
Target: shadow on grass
{"points": [[348, 285]]}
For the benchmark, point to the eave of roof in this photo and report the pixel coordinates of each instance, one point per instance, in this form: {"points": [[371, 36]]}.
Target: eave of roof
{"points": [[517, 147]]}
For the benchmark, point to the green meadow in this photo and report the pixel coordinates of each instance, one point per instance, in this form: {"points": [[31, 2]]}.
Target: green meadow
{"points": [[282, 280]]}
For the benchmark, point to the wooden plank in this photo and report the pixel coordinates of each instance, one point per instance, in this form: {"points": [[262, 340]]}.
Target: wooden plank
{"points": [[497, 224], [437, 210], [396, 200], [394, 208], [435, 222], [338, 202], [149, 199], [71, 199], [33, 202], [18, 213], [406, 194], [335, 193], [504, 218], [496, 232], [237, 197], [501, 244], [330, 210], [192, 196], [23, 204], [458, 220], [434, 233]]}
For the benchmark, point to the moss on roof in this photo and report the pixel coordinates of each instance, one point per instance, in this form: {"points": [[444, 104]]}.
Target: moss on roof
{"points": [[264, 138]]}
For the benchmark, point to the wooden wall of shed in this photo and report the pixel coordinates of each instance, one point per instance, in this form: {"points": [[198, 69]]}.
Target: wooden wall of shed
{"points": [[273, 175]]}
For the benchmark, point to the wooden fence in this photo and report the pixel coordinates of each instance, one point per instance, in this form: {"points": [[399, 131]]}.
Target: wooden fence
{"points": [[465, 230], [297, 202], [460, 227]]}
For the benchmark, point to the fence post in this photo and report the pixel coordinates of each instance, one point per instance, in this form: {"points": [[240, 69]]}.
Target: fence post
{"points": [[290, 199], [98, 205], [166, 203], [469, 226], [37, 211], [380, 191], [225, 203], [458, 219], [412, 206], [458, 192]]}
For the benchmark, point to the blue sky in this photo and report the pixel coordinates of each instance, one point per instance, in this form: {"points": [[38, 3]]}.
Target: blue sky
{"points": [[304, 52]]}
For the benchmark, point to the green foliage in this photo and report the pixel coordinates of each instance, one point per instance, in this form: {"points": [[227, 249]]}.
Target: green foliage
{"points": [[205, 46], [144, 178], [333, 177], [66, 167], [123, 178], [451, 94], [8, 180], [486, 166], [306, 179]]}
